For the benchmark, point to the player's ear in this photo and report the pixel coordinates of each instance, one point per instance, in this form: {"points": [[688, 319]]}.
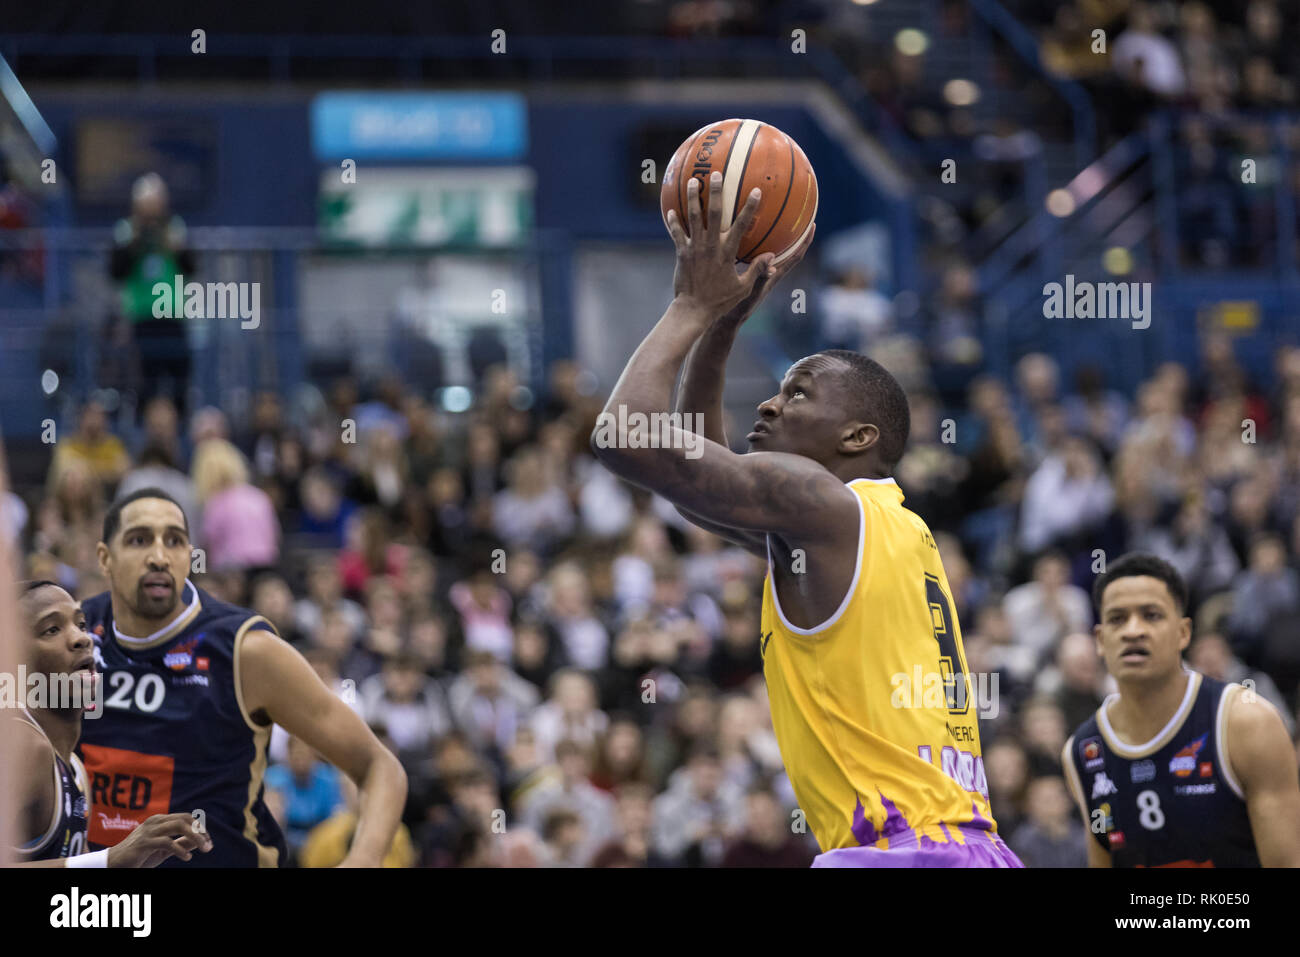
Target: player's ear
{"points": [[1184, 633], [1096, 635], [101, 554], [857, 437]]}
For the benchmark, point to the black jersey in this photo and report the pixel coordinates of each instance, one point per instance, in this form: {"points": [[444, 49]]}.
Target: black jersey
{"points": [[66, 835], [1172, 802], [175, 737]]}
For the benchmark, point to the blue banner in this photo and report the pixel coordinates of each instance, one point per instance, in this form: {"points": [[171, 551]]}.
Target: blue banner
{"points": [[419, 126]]}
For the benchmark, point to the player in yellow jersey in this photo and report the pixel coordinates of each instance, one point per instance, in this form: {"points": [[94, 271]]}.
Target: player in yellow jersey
{"points": [[862, 652]]}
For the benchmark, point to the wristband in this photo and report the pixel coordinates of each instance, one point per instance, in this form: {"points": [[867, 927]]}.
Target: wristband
{"points": [[94, 859]]}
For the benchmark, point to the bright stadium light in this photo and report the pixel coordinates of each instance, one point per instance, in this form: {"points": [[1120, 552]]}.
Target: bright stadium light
{"points": [[1117, 261], [1060, 203], [911, 42], [456, 398], [961, 92]]}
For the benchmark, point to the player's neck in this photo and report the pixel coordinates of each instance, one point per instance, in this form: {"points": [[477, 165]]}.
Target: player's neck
{"points": [[63, 728], [1144, 709], [137, 626]]}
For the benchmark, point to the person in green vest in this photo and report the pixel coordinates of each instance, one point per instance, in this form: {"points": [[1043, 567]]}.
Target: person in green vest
{"points": [[148, 248]]}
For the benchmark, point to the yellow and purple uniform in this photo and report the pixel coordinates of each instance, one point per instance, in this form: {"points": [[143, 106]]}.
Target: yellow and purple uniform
{"points": [[873, 711]]}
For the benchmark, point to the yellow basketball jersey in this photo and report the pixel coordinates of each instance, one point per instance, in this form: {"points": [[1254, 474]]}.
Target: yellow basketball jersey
{"points": [[872, 709]]}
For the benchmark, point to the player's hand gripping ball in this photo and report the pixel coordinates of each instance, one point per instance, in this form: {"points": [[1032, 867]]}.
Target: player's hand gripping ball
{"points": [[747, 153]]}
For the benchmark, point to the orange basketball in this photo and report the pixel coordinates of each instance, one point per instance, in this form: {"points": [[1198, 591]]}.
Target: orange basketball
{"points": [[747, 153]]}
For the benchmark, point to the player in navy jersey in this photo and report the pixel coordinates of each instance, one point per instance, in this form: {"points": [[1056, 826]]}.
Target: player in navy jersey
{"points": [[53, 808], [192, 687], [1177, 769]]}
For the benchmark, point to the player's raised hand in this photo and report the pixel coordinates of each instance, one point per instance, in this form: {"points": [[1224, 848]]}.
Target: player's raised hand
{"points": [[706, 276], [158, 838], [770, 277]]}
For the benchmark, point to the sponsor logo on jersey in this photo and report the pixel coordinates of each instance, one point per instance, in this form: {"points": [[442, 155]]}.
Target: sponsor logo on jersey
{"points": [[1116, 839], [1091, 751], [182, 655], [1184, 762], [1108, 820], [1141, 771], [1194, 788], [125, 788], [1102, 785], [191, 680], [201, 664], [1206, 769]]}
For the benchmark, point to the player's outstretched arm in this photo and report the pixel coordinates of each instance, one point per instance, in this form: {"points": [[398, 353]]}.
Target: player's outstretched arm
{"points": [[1264, 763], [761, 492], [277, 683]]}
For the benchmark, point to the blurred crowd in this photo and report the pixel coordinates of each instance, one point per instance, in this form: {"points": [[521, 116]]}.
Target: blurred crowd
{"points": [[571, 675]]}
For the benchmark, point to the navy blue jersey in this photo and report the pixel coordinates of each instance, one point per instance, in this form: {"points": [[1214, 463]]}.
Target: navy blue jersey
{"points": [[175, 736], [66, 835], [1172, 802]]}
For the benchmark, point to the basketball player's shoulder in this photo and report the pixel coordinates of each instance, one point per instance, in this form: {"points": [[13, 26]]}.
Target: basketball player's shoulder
{"points": [[97, 607], [229, 618], [1249, 719]]}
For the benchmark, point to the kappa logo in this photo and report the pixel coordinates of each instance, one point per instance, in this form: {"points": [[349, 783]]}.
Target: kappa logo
{"points": [[1142, 771], [1092, 756], [1184, 762], [1102, 785]]}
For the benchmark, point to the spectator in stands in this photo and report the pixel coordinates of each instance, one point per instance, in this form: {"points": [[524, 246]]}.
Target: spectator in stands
{"points": [[1149, 59], [570, 612], [1076, 680], [405, 701], [854, 313], [92, 445], [156, 467], [1052, 836], [484, 609], [569, 787], [698, 813], [632, 846], [489, 702], [239, 529], [569, 714], [534, 511], [1212, 656], [1068, 495], [1266, 590], [149, 247], [620, 756], [307, 790], [1046, 609], [1006, 767], [767, 840]]}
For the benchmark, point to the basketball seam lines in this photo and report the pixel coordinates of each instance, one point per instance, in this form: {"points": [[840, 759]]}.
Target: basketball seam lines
{"points": [[726, 162], [681, 181], [788, 188], [744, 166]]}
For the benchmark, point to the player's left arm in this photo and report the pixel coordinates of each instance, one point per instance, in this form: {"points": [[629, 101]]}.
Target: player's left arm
{"points": [[1262, 759], [277, 682]]}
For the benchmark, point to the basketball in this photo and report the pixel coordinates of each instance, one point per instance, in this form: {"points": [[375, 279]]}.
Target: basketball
{"points": [[747, 153]]}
